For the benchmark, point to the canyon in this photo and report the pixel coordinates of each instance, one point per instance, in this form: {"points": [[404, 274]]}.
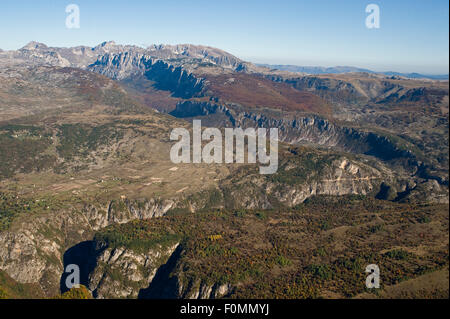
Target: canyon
{"points": [[86, 176]]}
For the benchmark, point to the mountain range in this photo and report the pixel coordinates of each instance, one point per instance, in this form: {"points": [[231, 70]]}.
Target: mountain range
{"points": [[86, 178]]}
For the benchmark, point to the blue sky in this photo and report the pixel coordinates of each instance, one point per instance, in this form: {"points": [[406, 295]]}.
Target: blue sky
{"points": [[413, 34]]}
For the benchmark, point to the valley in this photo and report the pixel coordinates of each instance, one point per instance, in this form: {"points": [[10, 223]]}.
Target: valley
{"points": [[86, 178]]}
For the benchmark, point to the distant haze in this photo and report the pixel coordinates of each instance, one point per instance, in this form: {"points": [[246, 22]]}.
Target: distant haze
{"points": [[347, 69]]}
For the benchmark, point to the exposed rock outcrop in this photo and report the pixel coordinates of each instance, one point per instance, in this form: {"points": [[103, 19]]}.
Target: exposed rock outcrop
{"points": [[32, 250], [297, 129], [122, 273]]}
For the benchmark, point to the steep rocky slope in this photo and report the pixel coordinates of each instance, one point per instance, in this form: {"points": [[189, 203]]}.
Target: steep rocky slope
{"points": [[122, 273], [33, 247]]}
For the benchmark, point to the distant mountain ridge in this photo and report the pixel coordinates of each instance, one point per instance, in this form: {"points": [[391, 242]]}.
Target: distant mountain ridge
{"points": [[83, 56], [185, 55], [349, 69]]}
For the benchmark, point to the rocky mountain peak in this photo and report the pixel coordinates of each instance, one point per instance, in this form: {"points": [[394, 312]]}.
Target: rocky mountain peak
{"points": [[105, 45], [33, 45], [210, 54]]}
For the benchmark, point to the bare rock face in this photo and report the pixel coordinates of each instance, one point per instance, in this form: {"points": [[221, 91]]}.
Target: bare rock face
{"points": [[123, 211], [346, 178], [32, 251], [35, 53], [295, 129], [122, 65], [156, 273], [21, 248], [210, 54], [167, 76], [122, 273], [342, 177], [203, 290]]}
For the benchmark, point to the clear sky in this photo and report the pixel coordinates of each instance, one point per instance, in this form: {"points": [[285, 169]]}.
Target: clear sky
{"points": [[413, 34]]}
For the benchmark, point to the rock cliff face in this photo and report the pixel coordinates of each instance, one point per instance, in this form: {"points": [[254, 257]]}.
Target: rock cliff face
{"points": [[342, 177], [155, 273], [35, 53], [123, 273], [36, 251], [166, 76], [123, 211], [296, 129], [175, 287], [392, 153], [32, 250], [212, 55]]}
